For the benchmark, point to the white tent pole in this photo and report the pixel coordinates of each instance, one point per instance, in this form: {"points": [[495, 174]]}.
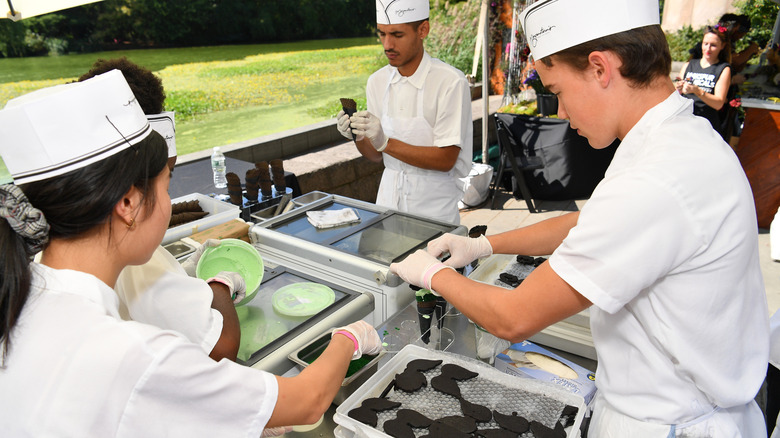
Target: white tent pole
{"points": [[478, 43], [485, 79]]}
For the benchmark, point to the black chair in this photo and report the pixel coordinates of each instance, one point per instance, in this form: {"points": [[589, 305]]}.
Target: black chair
{"points": [[524, 161]]}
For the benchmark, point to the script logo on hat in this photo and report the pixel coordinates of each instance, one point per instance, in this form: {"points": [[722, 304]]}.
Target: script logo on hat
{"points": [[400, 13], [535, 37]]}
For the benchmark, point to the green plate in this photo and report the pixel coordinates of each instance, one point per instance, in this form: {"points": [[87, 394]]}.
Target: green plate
{"points": [[303, 299], [237, 256]]}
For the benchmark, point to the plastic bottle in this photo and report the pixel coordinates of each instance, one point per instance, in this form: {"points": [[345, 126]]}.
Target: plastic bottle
{"points": [[218, 168]]}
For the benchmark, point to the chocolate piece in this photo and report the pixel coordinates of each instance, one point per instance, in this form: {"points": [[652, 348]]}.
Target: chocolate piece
{"points": [[185, 206], [510, 279], [457, 372], [348, 105], [477, 230], [541, 431], [252, 184], [439, 429], [277, 175], [495, 433], [401, 426], [513, 422], [366, 413], [525, 260], [423, 364], [475, 411], [446, 385], [410, 380], [539, 260], [463, 424], [568, 416], [234, 189], [184, 217], [265, 178]]}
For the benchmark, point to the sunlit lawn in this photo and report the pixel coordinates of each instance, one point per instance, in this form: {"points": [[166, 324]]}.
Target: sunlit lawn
{"points": [[228, 94]]}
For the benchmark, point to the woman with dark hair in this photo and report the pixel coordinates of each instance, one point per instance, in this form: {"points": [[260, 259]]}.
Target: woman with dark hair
{"points": [[707, 80], [91, 193]]}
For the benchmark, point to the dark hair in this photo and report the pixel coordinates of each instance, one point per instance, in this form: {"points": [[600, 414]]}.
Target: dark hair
{"points": [[73, 204], [724, 36], [643, 51], [416, 24], [146, 87], [743, 21]]}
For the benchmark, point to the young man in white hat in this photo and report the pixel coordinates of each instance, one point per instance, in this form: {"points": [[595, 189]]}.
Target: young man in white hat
{"points": [[418, 120], [664, 253]]}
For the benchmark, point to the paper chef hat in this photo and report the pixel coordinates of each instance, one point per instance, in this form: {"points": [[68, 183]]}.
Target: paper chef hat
{"points": [[554, 25], [165, 125], [401, 11], [55, 130]]}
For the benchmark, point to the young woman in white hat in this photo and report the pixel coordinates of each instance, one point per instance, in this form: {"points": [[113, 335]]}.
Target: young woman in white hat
{"points": [[664, 253], [91, 192]]}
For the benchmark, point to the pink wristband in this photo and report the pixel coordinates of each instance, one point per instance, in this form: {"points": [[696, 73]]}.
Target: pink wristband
{"points": [[350, 336], [428, 275]]}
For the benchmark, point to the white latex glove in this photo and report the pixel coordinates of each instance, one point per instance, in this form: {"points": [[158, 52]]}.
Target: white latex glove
{"points": [[463, 249], [276, 431], [366, 337], [235, 283], [191, 264], [418, 268], [365, 124], [343, 124]]}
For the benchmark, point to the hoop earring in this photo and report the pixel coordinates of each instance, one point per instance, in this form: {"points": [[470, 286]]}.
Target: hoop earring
{"points": [[131, 224]]}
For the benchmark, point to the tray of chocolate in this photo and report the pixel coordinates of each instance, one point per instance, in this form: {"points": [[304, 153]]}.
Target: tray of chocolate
{"points": [[429, 393], [509, 271]]}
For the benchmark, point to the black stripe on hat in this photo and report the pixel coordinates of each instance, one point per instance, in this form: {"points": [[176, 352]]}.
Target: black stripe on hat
{"points": [[142, 133]]}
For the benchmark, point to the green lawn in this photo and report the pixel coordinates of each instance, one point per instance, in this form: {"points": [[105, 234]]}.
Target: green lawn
{"points": [[227, 94]]}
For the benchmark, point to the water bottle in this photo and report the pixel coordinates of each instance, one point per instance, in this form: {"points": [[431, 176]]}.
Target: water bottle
{"points": [[218, 168]]}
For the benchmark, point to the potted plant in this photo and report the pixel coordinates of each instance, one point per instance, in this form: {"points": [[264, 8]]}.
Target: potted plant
{"points": [[546, 102]]}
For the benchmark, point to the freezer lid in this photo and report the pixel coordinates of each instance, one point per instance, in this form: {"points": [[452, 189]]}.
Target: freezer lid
{"points": [[366, 248]]}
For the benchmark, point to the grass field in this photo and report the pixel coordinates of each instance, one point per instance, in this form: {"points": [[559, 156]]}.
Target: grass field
{"points": [[227, 94]]}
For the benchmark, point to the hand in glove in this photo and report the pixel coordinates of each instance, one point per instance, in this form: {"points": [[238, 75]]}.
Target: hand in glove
{"points": [[191, 263], [364, 335], [234, 282], [463, 250], [419, 268], [343, 124], [365, 124], [276, 431]]}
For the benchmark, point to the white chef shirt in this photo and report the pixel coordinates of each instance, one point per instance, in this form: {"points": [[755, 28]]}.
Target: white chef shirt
{"points": [[446, 103], [666, 249], [161, 293], [76, 369]]}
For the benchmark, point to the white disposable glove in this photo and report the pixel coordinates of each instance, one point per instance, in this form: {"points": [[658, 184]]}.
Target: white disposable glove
{"points": [[365, 124], [276, 431], [343, 124], [463, 249], [190, 265], [365, 335], [235, 283], [418, 268]]}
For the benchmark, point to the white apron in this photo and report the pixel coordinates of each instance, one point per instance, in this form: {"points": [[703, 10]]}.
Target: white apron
{"points": [[744, 421], [411, 189]]}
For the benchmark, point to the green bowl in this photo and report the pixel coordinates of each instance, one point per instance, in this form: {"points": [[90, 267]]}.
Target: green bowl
{"points": [[237, 256]]}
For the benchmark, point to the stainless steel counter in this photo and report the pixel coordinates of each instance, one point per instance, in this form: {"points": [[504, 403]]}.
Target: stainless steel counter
{"points": [[463, 341]]}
